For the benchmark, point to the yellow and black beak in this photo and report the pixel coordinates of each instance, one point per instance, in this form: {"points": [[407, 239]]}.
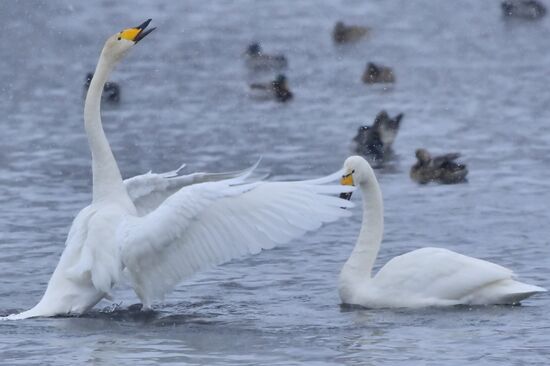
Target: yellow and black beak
{"points": [[136, 34], [347, 180]]}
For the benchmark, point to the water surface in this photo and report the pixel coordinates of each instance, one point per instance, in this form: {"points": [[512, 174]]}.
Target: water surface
{"points": [[467, 80]]}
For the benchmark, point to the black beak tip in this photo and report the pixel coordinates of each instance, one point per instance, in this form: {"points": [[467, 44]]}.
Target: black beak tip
{"points": [[144, 25], [142, 34]]}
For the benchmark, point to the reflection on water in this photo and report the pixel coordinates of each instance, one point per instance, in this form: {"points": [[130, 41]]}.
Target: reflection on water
{"points": [[467, 81]]}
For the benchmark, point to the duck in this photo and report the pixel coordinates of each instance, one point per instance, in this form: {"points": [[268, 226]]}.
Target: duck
{"points": [[439, 169], [159, 229], [377, 74], [111, 90], [424, 277], [278, 88], [348, 33], [375, 142], [524, 9], [256, 59]]}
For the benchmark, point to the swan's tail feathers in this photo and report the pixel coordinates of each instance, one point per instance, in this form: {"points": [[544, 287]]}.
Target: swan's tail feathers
{"points": [[509, 292], [24, 315]]}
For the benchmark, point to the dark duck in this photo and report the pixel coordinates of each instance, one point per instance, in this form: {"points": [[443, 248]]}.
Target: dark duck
{"points": [[375, 142], [378, 74], [439, 169], [277, 89], [256, 59], [523, 9], [111, 90], [343, 33]]}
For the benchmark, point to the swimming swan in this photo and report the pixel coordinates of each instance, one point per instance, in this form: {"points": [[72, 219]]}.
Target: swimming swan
{"points": [[162, 228], [423, 277]]}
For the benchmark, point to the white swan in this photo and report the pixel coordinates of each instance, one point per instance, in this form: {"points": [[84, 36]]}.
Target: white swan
{"points": [[162, 228], [423, 277]]}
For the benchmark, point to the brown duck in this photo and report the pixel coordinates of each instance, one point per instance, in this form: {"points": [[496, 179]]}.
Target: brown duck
{"points": [[440, 169], [378, 74], [348, 33]]}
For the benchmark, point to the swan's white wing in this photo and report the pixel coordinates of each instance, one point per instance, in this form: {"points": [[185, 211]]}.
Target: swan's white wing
{"points": [[439, 273], [149, 190], [207, 224]]}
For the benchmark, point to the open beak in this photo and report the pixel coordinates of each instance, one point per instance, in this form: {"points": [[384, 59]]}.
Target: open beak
{"points": [[142, 32]]}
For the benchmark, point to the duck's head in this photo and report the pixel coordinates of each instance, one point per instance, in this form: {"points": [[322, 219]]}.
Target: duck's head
{"points": [[362, 133], [380, 119], [89, 77], [423, 155], [119, 44], [280, 82], [357, 171], [372, 69], [254, 49]]}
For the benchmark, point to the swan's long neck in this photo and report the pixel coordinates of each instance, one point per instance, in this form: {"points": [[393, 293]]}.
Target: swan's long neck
{"points": [[107, 180], [361, 260]]}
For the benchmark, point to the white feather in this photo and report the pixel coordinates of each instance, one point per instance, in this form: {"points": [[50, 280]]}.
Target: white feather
{"points": [[149, 190], [211, 223]]}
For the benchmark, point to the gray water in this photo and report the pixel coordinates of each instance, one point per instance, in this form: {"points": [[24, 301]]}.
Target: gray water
{"points": [[467, 80]]}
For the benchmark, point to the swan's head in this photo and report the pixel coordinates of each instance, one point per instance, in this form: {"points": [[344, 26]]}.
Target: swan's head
{"points": [[357, 171], [119, 44]]}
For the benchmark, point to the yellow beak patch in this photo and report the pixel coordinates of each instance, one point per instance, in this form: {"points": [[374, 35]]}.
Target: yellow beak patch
{"points": [[347, 180], [129, 34]]}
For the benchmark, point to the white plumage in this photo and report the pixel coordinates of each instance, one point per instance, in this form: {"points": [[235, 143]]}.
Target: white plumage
{"points": [[423, 277], [162, 228]]}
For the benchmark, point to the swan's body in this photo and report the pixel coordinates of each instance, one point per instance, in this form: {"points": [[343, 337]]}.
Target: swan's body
{"points": [[423, 277], [162, 228]]}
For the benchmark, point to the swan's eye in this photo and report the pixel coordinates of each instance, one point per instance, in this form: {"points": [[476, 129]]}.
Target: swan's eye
{"points": [[118, 39], [353, 171]]}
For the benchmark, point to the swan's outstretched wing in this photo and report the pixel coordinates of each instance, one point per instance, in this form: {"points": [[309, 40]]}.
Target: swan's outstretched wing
{"points": [[149, 190], [207, 224], [439, 273]]}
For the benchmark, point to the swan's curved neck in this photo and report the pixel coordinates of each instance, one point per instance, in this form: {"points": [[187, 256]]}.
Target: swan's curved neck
{"points": [[361, 260], [106, 175]]}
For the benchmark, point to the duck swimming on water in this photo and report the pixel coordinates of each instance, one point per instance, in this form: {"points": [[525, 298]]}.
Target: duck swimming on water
{"points": [[278, 88], [523, 9], [375, 74], [256, 59], [348, 33], [375, 142], [439, 169], [111, 90]]}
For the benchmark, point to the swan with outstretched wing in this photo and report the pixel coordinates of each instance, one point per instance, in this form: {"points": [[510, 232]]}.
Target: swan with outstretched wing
{"points": [[162, 228]]}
